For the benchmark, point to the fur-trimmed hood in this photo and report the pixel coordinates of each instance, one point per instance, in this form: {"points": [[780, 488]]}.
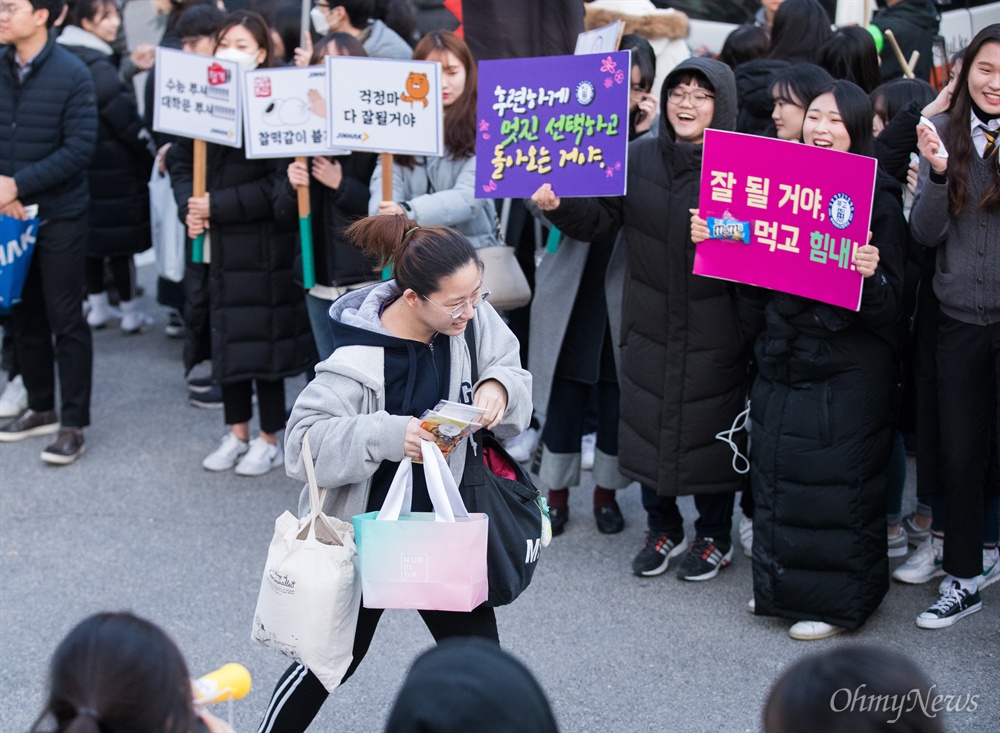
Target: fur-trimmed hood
{"points": [[651, 24]]}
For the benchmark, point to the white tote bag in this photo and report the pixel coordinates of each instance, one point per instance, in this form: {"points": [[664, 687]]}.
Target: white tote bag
{"points": [[310, 594], [168, 231]]}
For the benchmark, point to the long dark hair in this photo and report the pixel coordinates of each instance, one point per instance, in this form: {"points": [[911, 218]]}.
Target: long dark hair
{"points": [[800, 28], [82, 10], [850, 54], [746, 43], [800, 84], [957, 139], [116, 671], [419, 256], [257, 27], [856, 112], [347, 45], [460, 117]]}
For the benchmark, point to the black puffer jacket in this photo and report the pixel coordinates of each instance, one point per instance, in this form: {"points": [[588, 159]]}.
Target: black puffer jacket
{"points": [[754, 80], [338, 262], [914, 23], [48, 128], [119, 195], [823, 409], [684, 351], [249, 317]]}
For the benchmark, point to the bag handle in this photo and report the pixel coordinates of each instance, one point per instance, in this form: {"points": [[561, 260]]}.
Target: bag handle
{"points": [[316, 494], [400, 495], [441, 484]]}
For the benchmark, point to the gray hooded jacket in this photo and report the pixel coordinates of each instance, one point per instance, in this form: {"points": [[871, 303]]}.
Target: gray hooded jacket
{"points": [[350, 433]]}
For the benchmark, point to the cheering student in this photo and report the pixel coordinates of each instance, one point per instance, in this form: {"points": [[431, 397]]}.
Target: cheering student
{"points": [[399, 348], [244, 311], [441, 191], [957, 210], [119, 198], [822, 408], [684, 351], [338, 193]]}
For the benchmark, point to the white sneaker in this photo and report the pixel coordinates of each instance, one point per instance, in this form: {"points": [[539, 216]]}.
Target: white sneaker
{"points": [[898, 543], [991, 569], [813, 630], [752, 606], [134, 320], [261, 457], [521, 447], [923, 564], [14, 399], [991, 573], [746, 536], [225, 456], [100, 311], [588, 451]]}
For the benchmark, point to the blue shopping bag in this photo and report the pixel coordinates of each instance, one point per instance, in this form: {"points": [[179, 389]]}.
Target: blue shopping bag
{"points": [[17, 243]]}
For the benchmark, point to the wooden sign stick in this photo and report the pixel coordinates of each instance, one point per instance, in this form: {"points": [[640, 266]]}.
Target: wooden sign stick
{"points": [[306, 232], [907, 72], [914, 57], [198, 252], [387, 176]]}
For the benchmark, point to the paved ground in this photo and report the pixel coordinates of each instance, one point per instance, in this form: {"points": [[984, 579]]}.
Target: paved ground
{"points": [[137, 524]]}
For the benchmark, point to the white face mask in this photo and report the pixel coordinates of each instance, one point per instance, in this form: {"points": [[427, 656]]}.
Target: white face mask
{"points": [[246, 60], [319, 22]]}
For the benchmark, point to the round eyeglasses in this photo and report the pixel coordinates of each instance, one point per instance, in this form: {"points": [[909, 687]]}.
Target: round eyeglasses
{"points": [[697, 98], [456, 312]]}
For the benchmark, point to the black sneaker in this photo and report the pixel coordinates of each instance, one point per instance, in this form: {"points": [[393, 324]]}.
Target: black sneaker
{"points": [[210, 400], [656, 553], [200, 385], [955, 603], [704, 558], [175, 325]]}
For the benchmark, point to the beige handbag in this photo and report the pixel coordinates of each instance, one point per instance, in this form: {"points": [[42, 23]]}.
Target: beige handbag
{"points": [[503, 276]]}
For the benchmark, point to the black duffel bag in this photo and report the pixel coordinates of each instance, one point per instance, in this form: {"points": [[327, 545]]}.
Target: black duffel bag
{"points": [[511, 504]]}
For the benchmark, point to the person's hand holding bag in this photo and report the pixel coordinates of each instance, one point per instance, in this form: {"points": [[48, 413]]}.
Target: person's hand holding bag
{"points": [[492, 397]]}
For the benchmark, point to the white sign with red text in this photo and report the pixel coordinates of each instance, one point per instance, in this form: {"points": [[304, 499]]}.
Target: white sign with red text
{"points": [[197, 97]]}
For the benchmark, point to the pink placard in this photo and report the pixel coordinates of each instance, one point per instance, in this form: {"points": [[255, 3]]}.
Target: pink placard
{"points": [[788, 216]]}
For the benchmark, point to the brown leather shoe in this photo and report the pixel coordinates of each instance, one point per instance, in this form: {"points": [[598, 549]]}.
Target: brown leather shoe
{"points": [[67, 447], [28, 424]]}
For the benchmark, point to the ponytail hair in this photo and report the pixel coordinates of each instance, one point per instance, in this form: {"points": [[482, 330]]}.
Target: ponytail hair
{"points": [[420, 257], [116, 671]]}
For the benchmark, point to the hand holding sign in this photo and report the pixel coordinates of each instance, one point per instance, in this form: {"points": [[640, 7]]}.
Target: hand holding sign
{"points": [[865, 259], [930, 146], [545, 199], [699, 227], [328, 172]]}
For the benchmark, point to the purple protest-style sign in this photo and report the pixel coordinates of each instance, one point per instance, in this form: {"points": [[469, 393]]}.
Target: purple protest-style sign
{"points": [[561, 120], [786, 216]]}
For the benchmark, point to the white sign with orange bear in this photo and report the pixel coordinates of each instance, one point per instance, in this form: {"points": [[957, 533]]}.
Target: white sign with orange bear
{"points": [[385, 106]]}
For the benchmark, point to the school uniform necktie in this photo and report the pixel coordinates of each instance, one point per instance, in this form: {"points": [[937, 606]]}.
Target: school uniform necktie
{"points": [[991, 141]]}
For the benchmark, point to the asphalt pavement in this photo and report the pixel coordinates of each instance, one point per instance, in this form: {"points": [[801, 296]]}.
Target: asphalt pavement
{"points": [[138, 524]]}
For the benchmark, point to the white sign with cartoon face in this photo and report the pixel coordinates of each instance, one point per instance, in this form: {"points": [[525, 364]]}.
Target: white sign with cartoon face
{"points": [[198, 97], [385, 106], [286, 113]]}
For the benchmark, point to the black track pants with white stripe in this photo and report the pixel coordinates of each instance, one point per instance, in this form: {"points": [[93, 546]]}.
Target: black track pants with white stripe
{"points": [[299, 694]]}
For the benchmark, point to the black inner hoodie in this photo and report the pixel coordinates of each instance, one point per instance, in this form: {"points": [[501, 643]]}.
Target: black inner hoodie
{"points": [[416, 379]]}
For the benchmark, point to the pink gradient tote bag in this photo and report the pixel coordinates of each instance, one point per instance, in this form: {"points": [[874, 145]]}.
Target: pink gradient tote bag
{"points": [[422, 560]]}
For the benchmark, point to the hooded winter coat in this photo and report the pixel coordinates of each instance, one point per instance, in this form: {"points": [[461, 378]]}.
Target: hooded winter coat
{"points": [[470, 684], [914, 23], [244, 310], [823, 408], [344, 409], [119, 196], [684, 351]]}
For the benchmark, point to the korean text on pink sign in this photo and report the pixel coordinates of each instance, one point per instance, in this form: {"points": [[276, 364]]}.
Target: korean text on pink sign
{"points": [[784, 216]]}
